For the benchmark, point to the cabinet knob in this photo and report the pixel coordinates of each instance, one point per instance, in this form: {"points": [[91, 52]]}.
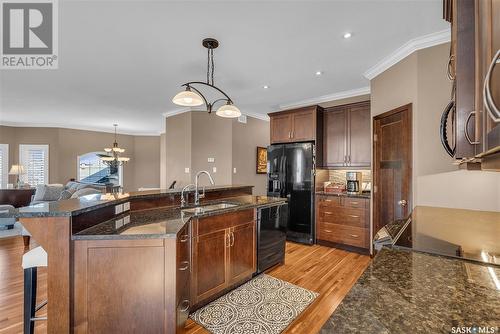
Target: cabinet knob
{"points": [[328, 231], [353, 216], [185, 305], [354, 235], [184, 238], [328, 213], [402, 202]]}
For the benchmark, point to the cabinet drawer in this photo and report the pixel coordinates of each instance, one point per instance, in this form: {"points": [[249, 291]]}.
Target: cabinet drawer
{"points": [[208, 225], [343, 234], [329, 201], [350, 202], [343, 216]]}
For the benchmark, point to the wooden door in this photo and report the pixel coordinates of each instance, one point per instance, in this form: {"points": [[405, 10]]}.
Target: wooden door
{"points": [[304, 125], [209, 265], [359, 139], [281, 128], [392, 160], [242, 254], [335, 134]]}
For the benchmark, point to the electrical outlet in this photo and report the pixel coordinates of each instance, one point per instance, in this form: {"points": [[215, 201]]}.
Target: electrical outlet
{"points": [[186, 170], [214, 169], [211, 159], [234, 170]]}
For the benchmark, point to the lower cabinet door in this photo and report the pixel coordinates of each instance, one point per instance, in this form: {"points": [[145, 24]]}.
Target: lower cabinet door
{"points": [[242, 254], [209, 265]]}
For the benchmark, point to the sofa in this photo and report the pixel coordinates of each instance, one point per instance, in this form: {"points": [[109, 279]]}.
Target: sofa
{"points": [[56, 192]]}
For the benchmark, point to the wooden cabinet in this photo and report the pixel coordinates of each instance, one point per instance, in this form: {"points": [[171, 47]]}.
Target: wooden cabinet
{"points": [[281, 128], [346, 141], [343, 221], [224, 254], [296, 125], [130, 286], [475, 28]]}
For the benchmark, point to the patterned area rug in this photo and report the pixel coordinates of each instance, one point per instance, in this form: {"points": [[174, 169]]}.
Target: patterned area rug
{"points": [[263, 305]]}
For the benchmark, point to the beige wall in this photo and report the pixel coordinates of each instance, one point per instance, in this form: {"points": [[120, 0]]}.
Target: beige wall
{"points": [[65, 145], [178, 149], [246, 138], [421, 79], [212, 138], [193, 137]]}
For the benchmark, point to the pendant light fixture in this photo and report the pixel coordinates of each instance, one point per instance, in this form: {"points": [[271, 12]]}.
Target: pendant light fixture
{"points": [[113, 159], [192, 97]]}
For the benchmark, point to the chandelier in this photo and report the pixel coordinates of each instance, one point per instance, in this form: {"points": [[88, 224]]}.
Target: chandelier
{"points": [[113, 158], [192, 97]]}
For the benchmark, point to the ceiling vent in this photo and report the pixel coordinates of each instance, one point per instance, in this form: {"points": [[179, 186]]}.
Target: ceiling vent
{"points": [[242, 119]]}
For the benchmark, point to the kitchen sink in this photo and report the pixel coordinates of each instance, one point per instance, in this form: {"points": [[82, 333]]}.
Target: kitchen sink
{"points": [[210, 207]]}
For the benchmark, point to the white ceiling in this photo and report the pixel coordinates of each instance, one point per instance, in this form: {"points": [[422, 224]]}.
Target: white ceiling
{"points": [[123, 61]]}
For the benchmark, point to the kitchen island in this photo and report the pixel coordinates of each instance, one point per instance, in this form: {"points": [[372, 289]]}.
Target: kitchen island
{"points": [[439, 274], [138, 262]]}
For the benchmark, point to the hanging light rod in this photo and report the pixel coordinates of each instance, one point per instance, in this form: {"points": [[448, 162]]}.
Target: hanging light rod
{"points": [[192, 97]]}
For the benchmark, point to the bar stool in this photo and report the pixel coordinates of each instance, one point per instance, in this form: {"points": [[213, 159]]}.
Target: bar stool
{"points": [[37, 257]]}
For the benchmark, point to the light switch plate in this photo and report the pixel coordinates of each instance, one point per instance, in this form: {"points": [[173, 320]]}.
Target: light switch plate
{"points": [[234, 170], [214, 169], [186, 170], [211, 159]]}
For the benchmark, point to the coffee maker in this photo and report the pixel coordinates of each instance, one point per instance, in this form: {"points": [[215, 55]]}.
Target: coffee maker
{"points": [[354, 181]]}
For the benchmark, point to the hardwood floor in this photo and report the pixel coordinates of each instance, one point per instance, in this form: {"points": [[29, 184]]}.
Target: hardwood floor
{"points": [[330, 272], [11, 287]]}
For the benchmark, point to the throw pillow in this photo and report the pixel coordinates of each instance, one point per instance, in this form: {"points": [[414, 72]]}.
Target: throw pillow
{"points": [[65, 194], [47, 193], [84, 192]]}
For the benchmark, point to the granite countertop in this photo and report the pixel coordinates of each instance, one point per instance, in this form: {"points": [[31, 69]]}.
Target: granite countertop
{"points": [[365, 194], [76, 206], [165, 222], [411, 292]]}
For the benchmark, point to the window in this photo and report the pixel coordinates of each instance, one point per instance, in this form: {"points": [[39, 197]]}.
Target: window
{"points": [[4, 165], [35, 159], [91, 169]]}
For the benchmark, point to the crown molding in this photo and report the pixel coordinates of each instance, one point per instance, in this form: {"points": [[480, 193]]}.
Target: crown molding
{"points": [[407, 49], [327, 98], [81, 128], [189, 109]]}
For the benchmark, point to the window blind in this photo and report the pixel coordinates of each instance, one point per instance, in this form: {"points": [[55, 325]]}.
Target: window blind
{"points": [[35, 159], [4, 165]]}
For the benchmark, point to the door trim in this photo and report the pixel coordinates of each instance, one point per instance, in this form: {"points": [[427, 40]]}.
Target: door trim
{"points": [[376, 170]]}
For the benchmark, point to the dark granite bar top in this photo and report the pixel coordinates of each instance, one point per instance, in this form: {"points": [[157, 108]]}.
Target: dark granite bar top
{"points": [[411, 292], [73, 207], [365, 194], [165, 222]]}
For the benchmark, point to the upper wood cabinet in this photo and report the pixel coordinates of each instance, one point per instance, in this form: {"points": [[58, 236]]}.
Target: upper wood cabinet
{"points": [[346, 136], [295, 125], [475, 39]]}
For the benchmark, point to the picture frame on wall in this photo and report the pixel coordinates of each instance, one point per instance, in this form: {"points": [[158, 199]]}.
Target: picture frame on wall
{"points": [[261, 160]]}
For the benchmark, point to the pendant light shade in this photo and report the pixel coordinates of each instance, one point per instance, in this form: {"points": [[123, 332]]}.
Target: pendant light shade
{"points": [[188, 98], [228, 111]]}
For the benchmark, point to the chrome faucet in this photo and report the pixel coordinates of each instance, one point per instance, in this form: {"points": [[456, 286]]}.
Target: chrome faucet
{"points": [[197, 194], [184, 200]]}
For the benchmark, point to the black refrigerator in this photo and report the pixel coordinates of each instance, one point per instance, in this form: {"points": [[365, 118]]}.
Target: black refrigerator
{"points": [[291, 175]]}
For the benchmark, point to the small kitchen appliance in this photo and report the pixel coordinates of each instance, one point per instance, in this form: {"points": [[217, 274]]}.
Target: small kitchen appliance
{"points": [[354, 181]]}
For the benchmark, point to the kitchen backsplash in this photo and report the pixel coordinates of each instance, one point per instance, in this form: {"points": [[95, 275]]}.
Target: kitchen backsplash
{"points": [[338, 176]]}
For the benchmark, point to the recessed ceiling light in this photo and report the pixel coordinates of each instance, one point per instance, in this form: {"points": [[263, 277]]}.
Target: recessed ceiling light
{"points": [[265, 86], [347, 35], [318, 73]]}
